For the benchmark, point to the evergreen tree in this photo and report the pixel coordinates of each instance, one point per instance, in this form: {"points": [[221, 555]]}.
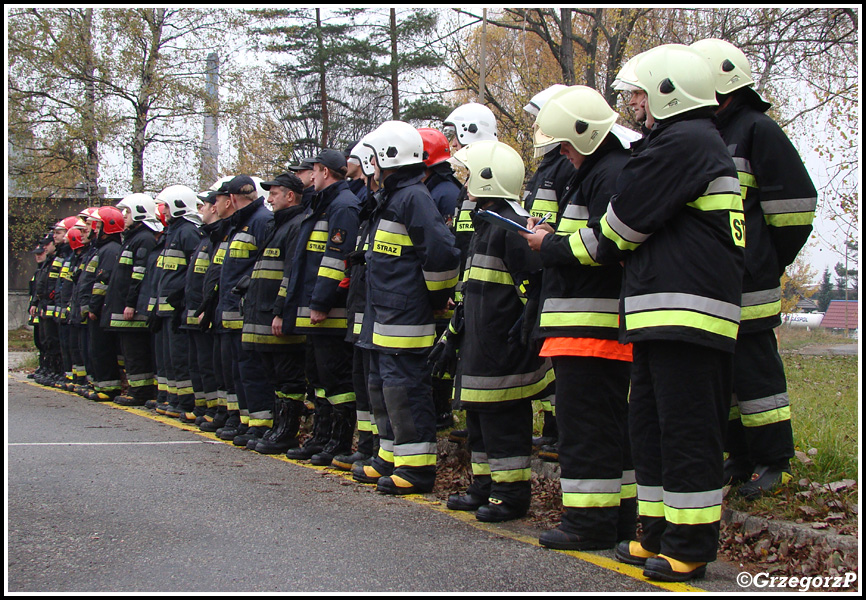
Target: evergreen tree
{"points": [[825, 292]]}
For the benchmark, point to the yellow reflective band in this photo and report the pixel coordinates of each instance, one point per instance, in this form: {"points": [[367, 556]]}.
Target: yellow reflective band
{"points": [[256, 338], [395, 239], [480, 469], [269, 423], [489, 275], [579, 250], [329, 273], [511, 475], [364, 425], [629, 490], [693, 516], [613, 236], [777, 415], [125, 261], [789, 219], [579, 319], [569, 226], [328, 323], [681, 318], [760, 311], [650, 509], [390, 341], [219, 257], [267, 274], [746, 180], [125, 323], [417, 460], [732, 202], [514, 393], [141, 383], [138, 276], [233, 324], [734, 413], [435, 286], [590, 500], [386, 455], [342, 398]]}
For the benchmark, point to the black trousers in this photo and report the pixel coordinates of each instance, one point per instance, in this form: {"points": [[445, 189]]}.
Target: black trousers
{"points": [[65, 349], [597, 474], [366, 424], [175, 352], [500, 440], [76, 334], [678, 408], [138, 362], [759, 426], [103, 354], [201, 368]]}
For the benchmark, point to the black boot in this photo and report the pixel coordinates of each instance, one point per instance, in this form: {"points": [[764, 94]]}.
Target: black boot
{"points": [[218, 420], [284, 435], [321, 433], [341, 435], [344, 462]]}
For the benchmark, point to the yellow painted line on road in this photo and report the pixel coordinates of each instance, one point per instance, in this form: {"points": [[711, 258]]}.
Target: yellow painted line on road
{"points": [[420, 499]]}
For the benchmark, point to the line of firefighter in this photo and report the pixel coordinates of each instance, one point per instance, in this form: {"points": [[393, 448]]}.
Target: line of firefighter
{"points": [[662, 256]]}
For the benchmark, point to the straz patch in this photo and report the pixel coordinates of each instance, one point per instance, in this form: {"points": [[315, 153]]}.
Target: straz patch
{"points": [[272, 252], [738, 229], [383, 248], [316, 246], [338, 236]]}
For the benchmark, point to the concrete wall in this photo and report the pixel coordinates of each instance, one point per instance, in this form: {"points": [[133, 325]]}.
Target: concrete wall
{"points": [[17, 306]]}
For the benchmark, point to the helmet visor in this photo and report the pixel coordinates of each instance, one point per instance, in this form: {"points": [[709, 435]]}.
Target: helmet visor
{"points": [[450, 132]]}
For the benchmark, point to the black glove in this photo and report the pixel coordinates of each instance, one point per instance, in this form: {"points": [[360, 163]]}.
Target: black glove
{"points": [[242, 286], [443, 355], [154, 323], [206, 312], [177, 319], [521, 332], [356, 258], [175, 299]]}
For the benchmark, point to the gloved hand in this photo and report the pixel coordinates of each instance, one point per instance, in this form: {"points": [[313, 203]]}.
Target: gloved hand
{"points": [[443, 355], [175, 299], [177, 319], [154, 323], [242, 286], [206, 312], [521, 332], [356, 258]]}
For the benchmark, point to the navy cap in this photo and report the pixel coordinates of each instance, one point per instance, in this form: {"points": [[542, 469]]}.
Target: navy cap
{"points": [[286, 180], [333, 159], [236, 184], [209, 196], [306, 164]]}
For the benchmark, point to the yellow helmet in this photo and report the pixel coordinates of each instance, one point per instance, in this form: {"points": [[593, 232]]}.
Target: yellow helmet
{"points": [[676, 80], [495, 169], [578, 115], [730, 67]]}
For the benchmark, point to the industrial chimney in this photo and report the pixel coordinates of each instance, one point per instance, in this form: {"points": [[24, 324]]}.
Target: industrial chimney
{"points": [[210, 141]]}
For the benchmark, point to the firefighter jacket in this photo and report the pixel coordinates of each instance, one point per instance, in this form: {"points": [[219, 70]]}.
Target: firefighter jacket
{"points": [[412, 267], [60, 256], [445, 190], [544, 191], [578, 300], [76, 316], [249, 228], [492, 368], [779, 200], [85, 280], [326, 237], [104, 263], [210, 284], [44, 287], [33, 301], [181, 238], [125, 286], [266, 294], [356, 300], [66, 284], [359, 188], [193, 287], [147, 295], [677, 222]]}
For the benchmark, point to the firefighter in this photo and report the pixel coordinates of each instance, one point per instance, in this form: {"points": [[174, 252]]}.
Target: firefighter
{"points": [[676, 221], [103, 343], [83, 291], [316, 295], [252, 414], [304, 171], [79, 341], [779, 200], [63, 297], [411, 271], [543, 196], [368, 433], [579, 323], [182, 235], [499, 373], [123, 301], [42, 251], [282, 356], [47, 291]]}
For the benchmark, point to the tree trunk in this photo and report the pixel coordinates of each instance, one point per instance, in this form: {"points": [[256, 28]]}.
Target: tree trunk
{"points": [[91, 169], [566, 53], [395, 90], [145, 97], [323, 91]]}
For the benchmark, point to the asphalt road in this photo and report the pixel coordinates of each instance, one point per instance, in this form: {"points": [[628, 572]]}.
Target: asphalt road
{"points": [[106, 499]]}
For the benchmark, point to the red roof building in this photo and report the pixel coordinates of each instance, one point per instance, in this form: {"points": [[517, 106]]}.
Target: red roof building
{"points": [[834, 318]]}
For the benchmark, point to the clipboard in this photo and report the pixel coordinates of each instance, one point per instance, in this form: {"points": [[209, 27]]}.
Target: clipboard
{"points": [[500, 221]]}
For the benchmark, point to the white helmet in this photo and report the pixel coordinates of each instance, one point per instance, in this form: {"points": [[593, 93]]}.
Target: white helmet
{"points": [[180, 200], [141, 206], [676, 80], [259, 189], [363, 153], [495, 169], [541, 97], [471, 122], [626, 79], [219, 182], [395, 144], [578, 115], [730, 67]]}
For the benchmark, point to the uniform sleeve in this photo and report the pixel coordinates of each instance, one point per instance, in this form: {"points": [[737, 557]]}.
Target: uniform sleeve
{"points": [[343, 231], [282, 308], [434, 243], [107, 262], [786, 193], [139, 269]]}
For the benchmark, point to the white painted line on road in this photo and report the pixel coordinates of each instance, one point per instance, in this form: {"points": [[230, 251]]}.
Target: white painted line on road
{"points": [[106, 443]]}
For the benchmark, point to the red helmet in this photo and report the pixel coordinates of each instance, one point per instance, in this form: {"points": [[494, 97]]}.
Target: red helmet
{"points": [[436, 147], [162, 214], [71, 222], [75, 239], [111, 218]]}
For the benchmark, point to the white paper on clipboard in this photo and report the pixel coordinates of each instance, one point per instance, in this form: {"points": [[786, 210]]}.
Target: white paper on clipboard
{"points": [[500, 221]]}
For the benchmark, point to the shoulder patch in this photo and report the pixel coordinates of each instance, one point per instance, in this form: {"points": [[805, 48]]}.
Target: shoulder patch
{"points": [[338, 236]]}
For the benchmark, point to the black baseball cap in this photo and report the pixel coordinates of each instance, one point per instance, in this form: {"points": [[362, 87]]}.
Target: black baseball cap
{"points": [[306, 164], [333, 159], [209, 196], [236, 184], [287, 180]]}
